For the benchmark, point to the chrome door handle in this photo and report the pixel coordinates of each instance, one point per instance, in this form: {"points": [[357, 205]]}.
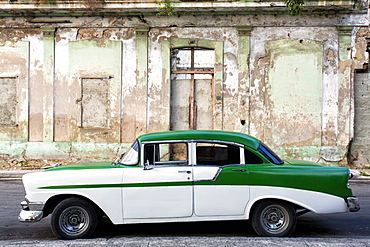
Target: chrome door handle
{"points": [[239, 170], [188, 172]]}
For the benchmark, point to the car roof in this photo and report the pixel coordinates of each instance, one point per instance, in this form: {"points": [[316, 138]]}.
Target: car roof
{"points": [[202, 135]]}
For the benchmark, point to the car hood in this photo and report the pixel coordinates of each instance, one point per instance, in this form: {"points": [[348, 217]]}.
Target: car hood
{"points": [[301, 163], [80, 166]]}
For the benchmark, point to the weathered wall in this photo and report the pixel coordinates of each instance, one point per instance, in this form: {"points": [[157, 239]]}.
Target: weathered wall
{"points": [[296, 75], [293, 106], [360, 152], [87, 87]]}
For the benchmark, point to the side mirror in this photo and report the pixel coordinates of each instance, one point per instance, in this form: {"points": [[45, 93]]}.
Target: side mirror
{"points": [[147, 166]]}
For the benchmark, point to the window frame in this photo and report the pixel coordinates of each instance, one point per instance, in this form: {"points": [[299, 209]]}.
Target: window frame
{"points": [[165, 163], [241, 151]]}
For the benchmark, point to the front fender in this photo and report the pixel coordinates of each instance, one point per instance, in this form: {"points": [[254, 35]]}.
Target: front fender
{"points": [[100, 186]]}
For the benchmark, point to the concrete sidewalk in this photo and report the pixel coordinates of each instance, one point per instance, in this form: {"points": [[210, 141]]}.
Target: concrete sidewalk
{"points": [[197, 242], [15, 174]]}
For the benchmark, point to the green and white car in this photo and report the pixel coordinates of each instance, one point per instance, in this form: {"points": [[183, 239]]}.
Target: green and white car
{"points": [[185, 176]]}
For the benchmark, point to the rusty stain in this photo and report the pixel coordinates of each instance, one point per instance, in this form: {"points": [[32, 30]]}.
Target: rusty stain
{"points": [[15, 35]]}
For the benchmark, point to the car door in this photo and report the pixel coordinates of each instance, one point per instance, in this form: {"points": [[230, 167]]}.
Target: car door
{"points": [[162, 188], [220, 179]]}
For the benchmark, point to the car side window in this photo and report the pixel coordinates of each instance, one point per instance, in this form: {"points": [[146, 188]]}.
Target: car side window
{"points": [[217, 154], [251, 158], [171, 153]]}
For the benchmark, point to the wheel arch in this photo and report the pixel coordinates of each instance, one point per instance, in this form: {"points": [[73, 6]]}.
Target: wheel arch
{"points": [[251, 207], [53, 201]]}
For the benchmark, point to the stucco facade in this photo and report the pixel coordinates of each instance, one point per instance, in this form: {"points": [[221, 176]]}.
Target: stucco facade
{"points": [[82, 81]]}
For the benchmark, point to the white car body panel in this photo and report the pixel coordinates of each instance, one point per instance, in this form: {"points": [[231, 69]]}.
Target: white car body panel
{"points": [[219, 200], [143, 202]]}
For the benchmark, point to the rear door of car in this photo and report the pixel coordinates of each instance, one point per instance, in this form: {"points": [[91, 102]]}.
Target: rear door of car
{"points": [[220, 179]]}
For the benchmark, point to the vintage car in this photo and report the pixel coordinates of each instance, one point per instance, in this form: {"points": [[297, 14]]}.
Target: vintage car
{"points": [[184, 176]]}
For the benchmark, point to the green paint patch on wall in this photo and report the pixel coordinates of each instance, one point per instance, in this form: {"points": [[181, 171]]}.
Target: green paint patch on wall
{"points": [[294, 95]]}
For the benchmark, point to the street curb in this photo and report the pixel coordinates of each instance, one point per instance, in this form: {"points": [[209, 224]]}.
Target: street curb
{"points": [[197, 241], [16, 174]]}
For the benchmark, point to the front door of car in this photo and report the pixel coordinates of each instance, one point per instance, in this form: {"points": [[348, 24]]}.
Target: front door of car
{"points": [[220, 180], [162, 188]]}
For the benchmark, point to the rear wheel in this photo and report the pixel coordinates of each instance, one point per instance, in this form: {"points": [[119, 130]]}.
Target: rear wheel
{"points": [[73, 218], [274, 219]]}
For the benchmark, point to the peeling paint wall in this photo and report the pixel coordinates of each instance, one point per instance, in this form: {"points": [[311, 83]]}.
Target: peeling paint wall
{"points": [[88, 87], [293, 97], [359, 149], [317, 130], [14, 76]]}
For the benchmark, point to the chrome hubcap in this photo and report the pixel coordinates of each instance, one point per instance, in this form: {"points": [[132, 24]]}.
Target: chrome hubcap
{"points": [[74, 220], [274, 219]]}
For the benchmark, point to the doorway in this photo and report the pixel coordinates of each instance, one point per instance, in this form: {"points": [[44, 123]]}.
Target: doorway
{"points": [[192, 88]]}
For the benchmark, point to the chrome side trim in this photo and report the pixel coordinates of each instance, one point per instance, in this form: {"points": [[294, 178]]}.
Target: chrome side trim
{"points": [[213, 179], [353, 204]]}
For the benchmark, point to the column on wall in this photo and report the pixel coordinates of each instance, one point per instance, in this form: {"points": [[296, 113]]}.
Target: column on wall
{"points": [[48, 83], [345, 89], [141, 79], [244, 36]]}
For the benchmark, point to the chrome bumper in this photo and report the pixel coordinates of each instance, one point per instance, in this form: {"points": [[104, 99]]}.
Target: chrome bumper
{"points": [[30, 216], [353, 204], [31, 212]]}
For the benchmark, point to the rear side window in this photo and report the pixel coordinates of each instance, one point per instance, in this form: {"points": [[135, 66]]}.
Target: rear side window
{"points": [[251, 158], [217, 154]]}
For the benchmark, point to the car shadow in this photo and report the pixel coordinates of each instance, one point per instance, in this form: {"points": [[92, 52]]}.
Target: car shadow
{"points": [[106, 229]]}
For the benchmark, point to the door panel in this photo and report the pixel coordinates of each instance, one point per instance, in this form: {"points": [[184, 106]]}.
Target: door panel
{"points": [[220, 200], [162, 192]]}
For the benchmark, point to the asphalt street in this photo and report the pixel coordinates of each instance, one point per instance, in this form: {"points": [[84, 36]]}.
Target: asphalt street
{"points": [[348, 229]]}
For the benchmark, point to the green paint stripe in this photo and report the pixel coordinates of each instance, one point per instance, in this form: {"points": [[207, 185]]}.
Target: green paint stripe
{"points": [[175, 184], [128, 185]]}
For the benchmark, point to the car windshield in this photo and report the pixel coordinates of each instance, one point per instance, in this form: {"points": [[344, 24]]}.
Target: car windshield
{"points": [[269, 154], [131, 157]]}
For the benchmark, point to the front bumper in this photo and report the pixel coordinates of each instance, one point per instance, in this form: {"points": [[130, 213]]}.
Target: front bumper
{"points": [[31, 212], [30, 216], [353, 204]]}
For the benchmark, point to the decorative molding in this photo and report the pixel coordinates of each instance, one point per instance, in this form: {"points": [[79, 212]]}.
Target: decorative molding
{"points": [[48, 31]]}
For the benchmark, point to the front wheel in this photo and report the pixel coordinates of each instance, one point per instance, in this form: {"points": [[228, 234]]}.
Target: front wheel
{"points": [[274, 219], [73, 218]]}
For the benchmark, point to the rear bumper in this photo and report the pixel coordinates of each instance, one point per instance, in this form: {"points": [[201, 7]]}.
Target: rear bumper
{"points": [[353, 204]]}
